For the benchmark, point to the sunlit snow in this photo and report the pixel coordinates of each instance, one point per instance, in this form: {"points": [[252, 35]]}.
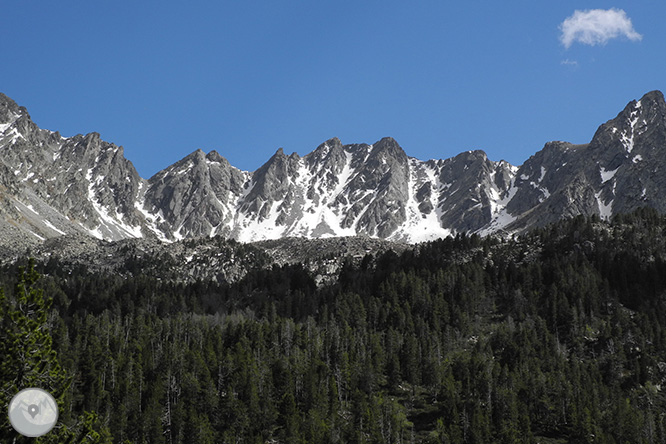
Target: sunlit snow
{"points": [[420, 227], [51, 226], [628, 138], [501, 217], [605, 209], [607, 175]]}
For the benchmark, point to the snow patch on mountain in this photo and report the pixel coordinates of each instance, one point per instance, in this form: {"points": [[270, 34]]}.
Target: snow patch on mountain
{"points": [[53, 227], [605, 209], [254, 229], [627, 137], [501, 217], [321, 216], [421, 226], [607, 175]]}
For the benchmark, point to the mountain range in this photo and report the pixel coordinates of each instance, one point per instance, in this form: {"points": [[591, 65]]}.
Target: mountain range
{"points": [[52, 186]]}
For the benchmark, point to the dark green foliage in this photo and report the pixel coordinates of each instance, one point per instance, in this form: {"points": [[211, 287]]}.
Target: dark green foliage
{"points": [[557, 336], [30, 360]]}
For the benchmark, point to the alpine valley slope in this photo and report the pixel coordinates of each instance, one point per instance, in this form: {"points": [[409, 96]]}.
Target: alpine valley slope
{"points": [[52, 186]]}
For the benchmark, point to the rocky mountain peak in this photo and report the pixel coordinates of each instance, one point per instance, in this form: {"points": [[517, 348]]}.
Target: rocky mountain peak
{"points": [[652, 111], [215, 157], [50, 186], [330, 156], [196, 156], [333, 142], [16, 125], [9, 110], [640, 120], [653, 103], [387, 148], [332, 145], [5, 99]]}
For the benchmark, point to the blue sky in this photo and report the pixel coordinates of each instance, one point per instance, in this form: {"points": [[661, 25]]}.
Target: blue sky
{"points": [[245, 78]]}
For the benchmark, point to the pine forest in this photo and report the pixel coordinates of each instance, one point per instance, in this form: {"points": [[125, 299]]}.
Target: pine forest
{"points": [[554, 336]]}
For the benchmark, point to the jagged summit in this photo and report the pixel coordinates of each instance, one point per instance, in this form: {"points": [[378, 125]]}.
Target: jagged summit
{"points": [[9, 110], [654, 100], [52, 186]]}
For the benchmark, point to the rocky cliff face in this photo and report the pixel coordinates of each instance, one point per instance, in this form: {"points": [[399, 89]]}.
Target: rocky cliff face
{"points": [[51, 186]]}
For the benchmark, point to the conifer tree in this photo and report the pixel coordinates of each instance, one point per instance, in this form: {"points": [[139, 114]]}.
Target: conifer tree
{"points": [[29, 360]]}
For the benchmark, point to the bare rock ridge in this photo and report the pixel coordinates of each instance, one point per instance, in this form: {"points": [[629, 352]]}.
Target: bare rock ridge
{"points": [[618, 171], [52, 186]]}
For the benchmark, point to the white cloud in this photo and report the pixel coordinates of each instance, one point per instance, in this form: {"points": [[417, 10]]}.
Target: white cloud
{"points": [[596, 27], [569, 62]]}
